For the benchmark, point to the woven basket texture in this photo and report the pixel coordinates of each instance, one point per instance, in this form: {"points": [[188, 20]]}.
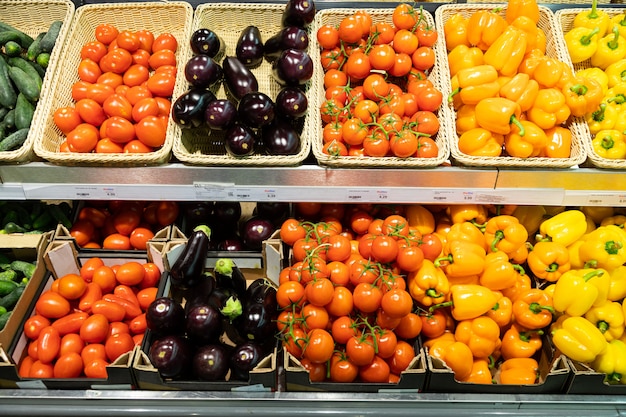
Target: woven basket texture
{"points": [[334, 16], [33, 17], [555, 47], [565, 21], [203, 146], [158, 17]]}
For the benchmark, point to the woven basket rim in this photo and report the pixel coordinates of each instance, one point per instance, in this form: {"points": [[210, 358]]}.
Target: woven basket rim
{"points": [[387, 161], [158, 156]]}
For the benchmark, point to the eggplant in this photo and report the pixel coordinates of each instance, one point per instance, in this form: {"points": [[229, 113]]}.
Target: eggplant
{"points": [[243, 358], [206, 42], [203, 71], [231, 244], [226, 301], [256, 322], [240, 140], [203, 324], [188, 109], [276, 212], [165, 316], [298, 13], [211, 362], [255, 231], [227, 212], [197, 213], [249, 47], [199, 293], [291, 102], [290, 37], [293, 67], [189, 267], [261, 291], [280, 138], [171, 355], [228, 275], [220, 114], [255, 109], [239, 79]]}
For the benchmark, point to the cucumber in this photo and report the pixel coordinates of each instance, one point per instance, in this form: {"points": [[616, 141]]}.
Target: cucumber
{"points": [[25, 83], [27, 67], [3, 112], [26, 268], [9, 300], [12, 227], [3, 130], [43, 60], [35, 48], [7, 287], [50, 38], [23, 39], [14, 141], [9, 119], [10, 36], [12, 48], [42, 221], [5, 262], [58, 215], [8, 275], [4, 319], [8, 96], [24, 111], [10, 216]]}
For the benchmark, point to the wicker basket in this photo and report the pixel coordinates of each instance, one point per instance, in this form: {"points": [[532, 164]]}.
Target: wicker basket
{"points": [[33, 17], [565, 20], [555, 47], [202, 146], [334, 17], [159, 17]]}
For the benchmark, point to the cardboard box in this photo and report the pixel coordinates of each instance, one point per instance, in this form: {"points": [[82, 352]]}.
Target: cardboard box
{"points": [[553, 369], [26, 247], [262, 378], [585, 380], [63, 257]]}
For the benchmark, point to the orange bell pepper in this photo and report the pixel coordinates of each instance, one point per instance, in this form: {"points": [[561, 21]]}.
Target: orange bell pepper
{"points": [[462, 259], [551, 72], [481, 372], [481, 334], [463, 56], [428, 285], [521, 286], [582, 95], [474, 83], [527, 8], [518, 342], [474, 213], [466, 231], [535, 36], [527, 142], [521, 89], [466, 118], [456, 355], [468, 301], [502, 311], [496, 114], [559, 144], [505, 233], [481, 142], [484, 27], [455, 31], [549, 260], [506, 53], [499, 272], [533, 309], [519, 371], [549, 109]]}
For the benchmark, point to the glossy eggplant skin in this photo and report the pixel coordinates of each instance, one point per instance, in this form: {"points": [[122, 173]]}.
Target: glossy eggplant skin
{"points": [[240, 140], [220, 114], [261, 292], [291, 102], [171, 355], [249, 47], [280, 138], [298, 13], [188, 109], [256, 322], [243, 358], [290, 37], [228, 275], [256, 109], [206, 42], [293, 67], [238, 78], [188, 268], [203, 71]]}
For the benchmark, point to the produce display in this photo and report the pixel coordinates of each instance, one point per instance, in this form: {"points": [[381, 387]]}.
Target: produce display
{"points": [[484, 287], [14, 276], [33, 216], [85, 321], [23, 63], [122, 99], [119, 225], [378, 97]]}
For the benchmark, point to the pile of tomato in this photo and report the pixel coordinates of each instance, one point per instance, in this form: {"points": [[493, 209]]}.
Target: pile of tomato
{"points": [[122, 225], [346, 313], [379, 100], [86, 321], [123, 95]]}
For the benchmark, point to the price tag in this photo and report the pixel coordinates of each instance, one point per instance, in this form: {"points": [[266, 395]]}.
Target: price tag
{"points": [[606, 199], [452, 196], [213, 191], [355, 195]]}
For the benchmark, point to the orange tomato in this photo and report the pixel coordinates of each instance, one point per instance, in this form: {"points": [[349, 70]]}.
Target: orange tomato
{"points": [[94, 329], [111, 79], [138, 325], [106, 33], [83, 138], [146, 39], [165, 41], [72, 286], [80, 90], [52, 305], [83, 231], [112, 312], [40, 370], [151, 131], [117, 105], [128, 40], [96, 369], [161, 58], [66, 119], [132, 309], [71, 342], [93, 50], [117, 60], [34, 324], [148, 106], [136, 146], [141, 57], [119, 130], [167, 212], [105, 278], [25, 365], [106, 145], [151, 277], [89, 70], [93, 351], [136, 74], [48, 344], [70, 323], [90, 111], [125, 221], [130, 273], [89, 266], [126, 292], [117, 345], [161, 84], [117, 240], [99, 92], [69, 365], [139, 237], [137, 93], [164, 106]]}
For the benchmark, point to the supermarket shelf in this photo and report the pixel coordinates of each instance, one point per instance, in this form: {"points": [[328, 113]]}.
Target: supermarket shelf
{"points": [[170, 403], [445, 185]]}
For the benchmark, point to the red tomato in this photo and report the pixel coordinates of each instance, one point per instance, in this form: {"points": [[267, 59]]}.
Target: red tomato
{"points": [[130, 273], [139, 237], [94, 329], [52, 305], [71, 342], [93, 50], [90, 111], [148, 106], [66, 119], [151, 131], [96, 369], [89, 70], [106, 33], [34, 324], [117, 60], [161, 84], [136, 146], [320, 346], [69, 365], [165, 41], [118, 344], [70, 323], [48, 344], [116, 241], [118, 105], [167, 212], [151, 277], [136, 74]]}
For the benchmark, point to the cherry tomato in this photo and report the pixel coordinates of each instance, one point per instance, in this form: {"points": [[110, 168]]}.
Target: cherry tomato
{"points": [[431, 245], [423, 58], [367, 297], [384, 248], [429, 98], [382, 33], [404, 16], [327, 36], [426, 148], [402, 357], [358, 65], [342, 302], [405, 41], [342, 369], [410, 326], [397, 303], [360, 350], [289, 293], [376, 371], [382, 57], [433, 324]]}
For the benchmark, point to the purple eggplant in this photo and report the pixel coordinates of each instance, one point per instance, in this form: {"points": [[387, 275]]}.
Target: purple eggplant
{"points": [[298, 13], [206, 42], [256, 110], [189, 267], [276, 212], [280, 138], [243, 358], [261, 291], [220, 114], [256, 322], [171, 355], [203, 324], [255, 231], [188, 109], [290, 37], [203, 71], [239, 79], [240, 141], [227, 212], [165, 316], [228, 275], [211, 362], [199, 293], [291, 102], [293, 67], [231, 244], [249, 47]]}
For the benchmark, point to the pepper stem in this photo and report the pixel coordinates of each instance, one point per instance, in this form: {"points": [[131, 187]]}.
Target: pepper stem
{"points": [[519, 125], [453, 93], [431, 292], [438, 261], [592, 274], [538, 308], [579, 89], [603, 326], [593, 14], [552, 267], [586, 40], [498, 236], [614, 43], [440, 305]]}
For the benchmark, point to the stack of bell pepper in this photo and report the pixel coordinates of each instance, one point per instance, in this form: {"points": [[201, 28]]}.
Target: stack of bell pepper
{"points": [[597, 42], [510, 97]]}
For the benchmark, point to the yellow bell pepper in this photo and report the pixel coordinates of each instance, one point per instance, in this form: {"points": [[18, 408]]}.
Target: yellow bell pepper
{"points": [[608, 318], [598, 213], [463, 56], [481, 142], [530, 217], [481, 335], [604, 247], [612, 362], [468, 301], [618, 220], [529, 144], [616, 73], [519, 371], [593, 18], [611, 48], [549, 260], [499, 272], [421, 218], [462, 259], [595, 74], [582, 43], [578, 290], [428, 285], [475, 213], [505, 54], [617, 286], [517, 342], [579, 339], [609, 144], [582, 95], [565, 227], [619, 20]]}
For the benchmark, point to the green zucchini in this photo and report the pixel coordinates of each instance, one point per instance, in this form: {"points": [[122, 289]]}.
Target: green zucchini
{"points": [[27, 67], [14, 141], [8, 96], [50, 38], [25, 83], [7, 287], [26, 268], [9, 300], [24, 111]]}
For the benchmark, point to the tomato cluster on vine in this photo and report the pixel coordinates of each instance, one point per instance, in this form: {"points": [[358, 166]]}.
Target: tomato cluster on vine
{"points": [[346, 314], [378, 97]]}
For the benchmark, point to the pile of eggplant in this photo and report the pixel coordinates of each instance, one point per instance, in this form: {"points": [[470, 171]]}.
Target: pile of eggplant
{"points": [[249, 121], [213, 326]]}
